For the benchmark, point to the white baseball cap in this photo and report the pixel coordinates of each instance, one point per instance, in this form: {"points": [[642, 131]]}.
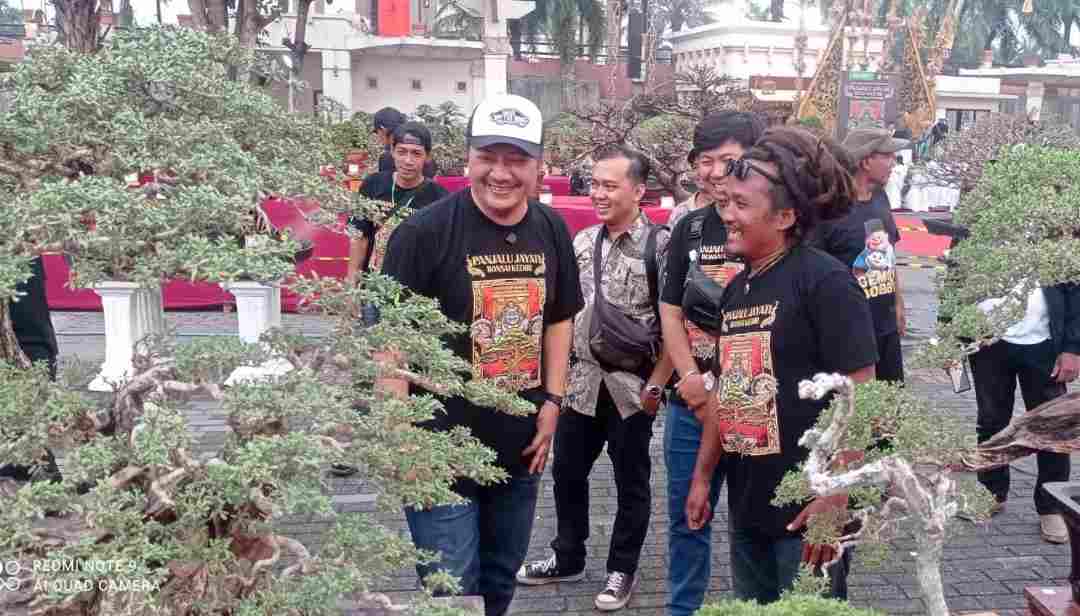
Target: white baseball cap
{"points": [[510, 119]]}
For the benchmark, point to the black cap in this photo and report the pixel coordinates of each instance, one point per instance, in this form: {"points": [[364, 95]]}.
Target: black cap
{"points": [[414, 133], [389, 118]]}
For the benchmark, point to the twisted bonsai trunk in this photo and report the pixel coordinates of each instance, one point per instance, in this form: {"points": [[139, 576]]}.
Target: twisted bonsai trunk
{"points": [[9, 345]]}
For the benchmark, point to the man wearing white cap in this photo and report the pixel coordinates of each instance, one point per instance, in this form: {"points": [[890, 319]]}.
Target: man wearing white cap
{"points": [[504, 266]]}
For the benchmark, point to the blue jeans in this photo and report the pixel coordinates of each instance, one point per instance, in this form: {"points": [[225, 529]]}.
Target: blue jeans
{"points": [[763, 567], [482, 542], [690, 551]]}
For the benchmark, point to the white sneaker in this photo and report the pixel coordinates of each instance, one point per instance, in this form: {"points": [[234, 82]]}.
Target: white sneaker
{"points": [[1053, 528], [617, 591]]}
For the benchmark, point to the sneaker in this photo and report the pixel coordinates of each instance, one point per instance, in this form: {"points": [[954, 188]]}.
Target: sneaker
{"points": [[541, 572], [617, 591], [343, 470], [1053, 528]]}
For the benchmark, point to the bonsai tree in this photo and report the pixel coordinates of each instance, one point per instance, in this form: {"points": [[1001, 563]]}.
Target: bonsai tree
{"points": [[962, 156], [1023, 226], [447, 125], [788, 605], [190, 531], [82, 131], [657, 123]]}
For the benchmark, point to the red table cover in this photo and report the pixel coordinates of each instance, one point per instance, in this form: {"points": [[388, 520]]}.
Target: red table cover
{"points": [[329, 258]]}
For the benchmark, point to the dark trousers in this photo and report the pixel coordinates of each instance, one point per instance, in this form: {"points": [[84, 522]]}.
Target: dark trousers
{"points": [[482, 542], [763, 567], [578, 442], [995, 370], [890, 365]]}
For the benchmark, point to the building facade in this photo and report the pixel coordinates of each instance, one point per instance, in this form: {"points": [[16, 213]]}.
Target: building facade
{"points": [[400, 53]]}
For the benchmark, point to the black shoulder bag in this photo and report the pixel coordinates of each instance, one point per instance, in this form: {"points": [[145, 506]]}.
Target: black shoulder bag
{"points": [[702, 297], [620, 343]]}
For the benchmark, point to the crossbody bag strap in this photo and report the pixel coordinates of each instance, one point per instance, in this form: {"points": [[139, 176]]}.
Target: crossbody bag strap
{"points": [[652, 268]]}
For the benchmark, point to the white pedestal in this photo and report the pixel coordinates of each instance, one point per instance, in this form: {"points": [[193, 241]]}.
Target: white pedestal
{"points": [[131, 314], [258, 309]]}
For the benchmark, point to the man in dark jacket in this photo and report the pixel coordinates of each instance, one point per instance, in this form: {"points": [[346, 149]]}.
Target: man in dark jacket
{"points": [[1042, 352]]}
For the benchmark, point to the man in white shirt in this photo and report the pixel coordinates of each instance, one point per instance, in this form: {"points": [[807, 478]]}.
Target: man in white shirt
{"points": [[1041, 352]]}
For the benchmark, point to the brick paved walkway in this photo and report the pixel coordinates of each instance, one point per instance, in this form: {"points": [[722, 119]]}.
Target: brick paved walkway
{"points": [[985, 567]]}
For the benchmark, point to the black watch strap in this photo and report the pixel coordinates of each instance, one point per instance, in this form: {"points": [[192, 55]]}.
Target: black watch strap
{"points": [[553, 398]]}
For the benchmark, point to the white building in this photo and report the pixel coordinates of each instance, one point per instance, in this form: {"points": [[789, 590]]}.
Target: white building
{"points": [[350, 63], [759, 51], [1052, 88]]}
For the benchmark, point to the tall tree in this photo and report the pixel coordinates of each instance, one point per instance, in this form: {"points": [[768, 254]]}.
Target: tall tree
{"points": [[298, 49], [559, 21], [677, 14], [78, 23]]}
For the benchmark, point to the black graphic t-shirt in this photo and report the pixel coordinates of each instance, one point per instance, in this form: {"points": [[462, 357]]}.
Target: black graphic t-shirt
{"points": [[865, 241], [380, 186], [698, 240], [803, 316], [506, 283]]}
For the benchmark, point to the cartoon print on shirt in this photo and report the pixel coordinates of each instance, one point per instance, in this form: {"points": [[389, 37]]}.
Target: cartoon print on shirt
{"points": [[875, 267]]}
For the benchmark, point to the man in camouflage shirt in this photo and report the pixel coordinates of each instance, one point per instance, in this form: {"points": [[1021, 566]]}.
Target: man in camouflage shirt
{"points": [[605, 406]]}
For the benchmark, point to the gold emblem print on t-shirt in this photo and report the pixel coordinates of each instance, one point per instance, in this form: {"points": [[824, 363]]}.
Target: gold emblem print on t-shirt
{"points": [[746, 391], [508, 318], [715, 264], [378, 249]]}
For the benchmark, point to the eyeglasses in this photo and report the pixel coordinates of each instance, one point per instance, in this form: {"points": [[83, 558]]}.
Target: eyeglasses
{"points": [[740, 169]]}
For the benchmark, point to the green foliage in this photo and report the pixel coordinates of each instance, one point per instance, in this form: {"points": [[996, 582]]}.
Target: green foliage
{"points": [[202, 529], [889, 421], [447, 125], [80, 127], [791, 605], [354, 135], [1024, 218], [152, 502], [566, 141]]}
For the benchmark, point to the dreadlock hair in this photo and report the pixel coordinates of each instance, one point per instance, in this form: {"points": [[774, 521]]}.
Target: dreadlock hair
{"points": [[814, 183]]}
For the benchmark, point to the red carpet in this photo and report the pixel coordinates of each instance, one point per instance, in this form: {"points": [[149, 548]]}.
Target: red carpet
{"points": [[914, 239]]}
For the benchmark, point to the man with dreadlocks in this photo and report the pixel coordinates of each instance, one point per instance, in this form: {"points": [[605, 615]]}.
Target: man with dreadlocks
{"points": [[792, 313]]}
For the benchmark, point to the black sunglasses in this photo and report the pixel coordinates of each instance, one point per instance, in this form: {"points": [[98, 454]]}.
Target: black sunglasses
{"points": [[740, 168]]}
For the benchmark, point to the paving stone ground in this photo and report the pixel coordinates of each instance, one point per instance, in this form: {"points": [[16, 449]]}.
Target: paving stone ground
{"points": [[985, 567]]}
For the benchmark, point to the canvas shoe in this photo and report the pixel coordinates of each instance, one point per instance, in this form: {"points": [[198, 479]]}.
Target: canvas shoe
{"points": [[617, 591], [541, 572], [1053, 528]]}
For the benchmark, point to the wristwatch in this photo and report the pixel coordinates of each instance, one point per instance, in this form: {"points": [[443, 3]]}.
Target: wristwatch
{"points": [[554, 399], [709, 380], [654, 390]]}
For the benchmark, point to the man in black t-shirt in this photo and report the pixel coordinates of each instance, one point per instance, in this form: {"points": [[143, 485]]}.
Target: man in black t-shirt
{"points": [[386, 121], [866, 240], [404, 188], [505, 267], [698, 268]]}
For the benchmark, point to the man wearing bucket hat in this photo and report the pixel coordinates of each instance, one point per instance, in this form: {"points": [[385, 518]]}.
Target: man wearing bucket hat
{"points": [[505, 267], [865, 240]]}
